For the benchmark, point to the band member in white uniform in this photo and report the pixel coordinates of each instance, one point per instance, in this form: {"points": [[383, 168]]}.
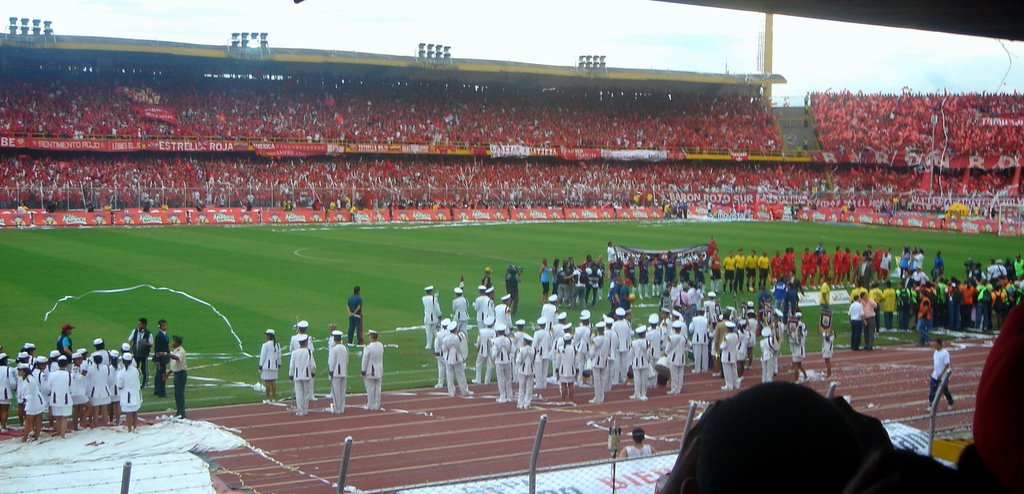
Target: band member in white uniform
{"points": [[431, 315], [301, 327], [455, 359], [442, 367], [623, 336], [677, 345], [752, 330], [31, 400], [8, 381], [729, 355], [601, 354], [460, 310], [502, 312], [742, 334], [480, 305], [302, 370], [828, 340], [640, 358], [656, 337], [79, 398], [99, 390], [542, 343], [798, 345], [768, 354], [549, 311], [502, 355], [526, 358], [372, 369], [270, 365], [337, 371], [483, 351], [128, 381], [699, 341], [60, 396], [582, 339], [565, 364]]}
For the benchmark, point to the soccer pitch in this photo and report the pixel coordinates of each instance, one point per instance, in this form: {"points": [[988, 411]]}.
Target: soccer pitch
{"points": [[266, 277]]}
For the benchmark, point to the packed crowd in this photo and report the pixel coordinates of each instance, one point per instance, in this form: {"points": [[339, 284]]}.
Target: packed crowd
{"points": [[952, 124], [77, 181], [60, 103]]}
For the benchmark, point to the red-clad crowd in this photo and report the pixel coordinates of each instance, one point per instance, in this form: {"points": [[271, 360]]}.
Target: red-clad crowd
{"points": [[66, 104], [954, 124], [78, 180]]}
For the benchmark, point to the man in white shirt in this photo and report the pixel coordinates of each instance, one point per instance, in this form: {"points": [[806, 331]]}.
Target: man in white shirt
{"points": [[582, 340], [677, 344], [302, 370], [622, 336], [526, 358], [300, 328], [460, 310], [480, 305], [431, 315], [502, 354], [455, 359], [542, 343], [656, 337], [601, 354], [372, 369], [856, 323], [730, 355], [940, 363], [640, 359], [442, 367], [549, 311], [768, 355], [699, 341], [337, 370], [502, 312], [483, 351]]}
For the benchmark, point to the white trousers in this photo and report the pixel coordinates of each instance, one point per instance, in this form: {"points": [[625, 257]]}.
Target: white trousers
{"points": [[303, 395], [338, 384], [600, 381], [766, 371], [431, 330], [623, 361], [372, 393], [480, 359], [457, 374], [640, 383], [504, 373], [540, 375], [700, 357], [525, 391], [676, 373], [729, 371], [441, 371], [581, 363]]}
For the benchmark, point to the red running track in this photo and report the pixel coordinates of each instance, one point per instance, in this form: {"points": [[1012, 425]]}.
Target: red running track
{"points": [[425, 436]]}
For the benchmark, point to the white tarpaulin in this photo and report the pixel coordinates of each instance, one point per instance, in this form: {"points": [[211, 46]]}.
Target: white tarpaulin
{"points": [[631, 477], [836, 297], [92, 460]]}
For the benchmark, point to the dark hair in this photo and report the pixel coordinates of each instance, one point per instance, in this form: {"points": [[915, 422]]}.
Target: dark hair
{"points": [[938, 341], [638, 434], [356, 290], [143, 320]]}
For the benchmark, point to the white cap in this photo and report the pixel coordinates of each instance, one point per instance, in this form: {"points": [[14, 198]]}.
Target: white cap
{"points": [[520, 322], [445, 322], [127, 357], [337, 333], [271, 332], [527, 338], [54, 354], [798, 315], [489, 290], [567, 337], [429, 288], [750, 303], [62, 358], [730, 324], [22, 355], [453, 325], [712, 294], [114, 353], [303, 337], [489, 320], [600, 325], [641, 330], [677, 324], [96, 342], [42, 360], [778, 312], [676, 314], [585, 315], [742, 323], [81, 352], [24, 367], [30, 346], [553, 298], [766, 333], [653, 319], [2, 355], [562, 316], [458, 291], [482, 288], [607, 320], [542, 321], [620, 312], [303, 324], [126, 347], [373, 333], [500, 329], [506, 297]]}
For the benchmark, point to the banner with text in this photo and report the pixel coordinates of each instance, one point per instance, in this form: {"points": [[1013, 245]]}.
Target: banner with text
{"points": [[813, 299], [297, 149], [137, 217], [155, 112], [685, 256], [536, 214], [464, 214], [589, 214], [228, 216], [73, 218], [280, 216], [16, 218], [371, 216], [639, 214], [419, 215]]}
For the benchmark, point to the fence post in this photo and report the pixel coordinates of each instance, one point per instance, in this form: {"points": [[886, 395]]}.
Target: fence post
{"points": [[831, 390], [344, 464], [933, 405], [689, 422], [126, 477], [536, 452]]}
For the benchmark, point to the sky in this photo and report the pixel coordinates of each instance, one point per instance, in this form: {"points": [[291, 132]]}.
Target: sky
{"points": [[812, 55]]}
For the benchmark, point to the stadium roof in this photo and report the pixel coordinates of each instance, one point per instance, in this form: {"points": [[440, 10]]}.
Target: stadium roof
{"points": [[116, 52], [987, 18]]}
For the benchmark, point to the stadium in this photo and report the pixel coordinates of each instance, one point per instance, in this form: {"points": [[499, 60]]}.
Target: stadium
{"points": [[230, 190]]}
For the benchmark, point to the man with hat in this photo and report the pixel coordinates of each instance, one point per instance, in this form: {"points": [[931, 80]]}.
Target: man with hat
{"points": [[798, 345], [337, 371], [161, 349], [769, 354], [621, 345], [502, 354], [640, 358], [301, 329], [655, 336], [442, 367], [372, 369], [677, 344], [484, 305], [542, 344], [8, 382], [483, 351], [502, 312], [582, 339], [302, 370], [549, 311], [64, 341], [601, 355], [431, 315], [455, 359], [729, 351], [141, 343], [460, 310], [179, 367], [526, 358]]}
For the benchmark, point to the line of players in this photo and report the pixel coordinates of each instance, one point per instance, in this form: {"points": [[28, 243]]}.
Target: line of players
{"points": [[610, 351], [87, 390]]}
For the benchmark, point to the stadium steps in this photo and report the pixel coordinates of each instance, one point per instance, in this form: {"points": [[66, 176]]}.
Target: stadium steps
{"points": [[794, 133]]}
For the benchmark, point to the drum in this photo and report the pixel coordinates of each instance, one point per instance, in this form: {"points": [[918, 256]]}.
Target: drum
{"points": [[662, 371]]}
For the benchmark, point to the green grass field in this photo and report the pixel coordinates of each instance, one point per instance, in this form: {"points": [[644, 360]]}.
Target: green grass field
{"points": [[266, 277]]}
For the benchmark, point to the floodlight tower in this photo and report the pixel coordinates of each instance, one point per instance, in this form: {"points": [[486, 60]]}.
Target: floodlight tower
{"points": [[766, 58]]}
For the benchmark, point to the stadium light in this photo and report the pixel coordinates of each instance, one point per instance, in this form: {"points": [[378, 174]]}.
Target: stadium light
{"points": [[430, 50], [47, 30], [263, 40], [36, 30], [447, 52], [437, 50], [24, 26], [14, 26], [422, 50], [245, 40], [602, 61]]}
